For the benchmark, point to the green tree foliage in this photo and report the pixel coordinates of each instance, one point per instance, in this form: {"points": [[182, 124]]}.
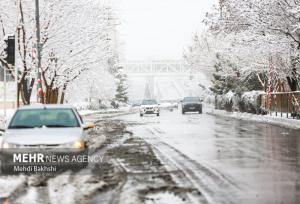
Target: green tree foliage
{"points": [[121, 97]]}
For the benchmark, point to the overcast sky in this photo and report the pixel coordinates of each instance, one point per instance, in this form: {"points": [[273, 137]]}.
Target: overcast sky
{"points": [[159, 29]]}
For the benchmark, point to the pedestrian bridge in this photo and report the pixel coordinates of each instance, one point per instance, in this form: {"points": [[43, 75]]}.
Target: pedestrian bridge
{"points": [[161, 67], [163, 79]]}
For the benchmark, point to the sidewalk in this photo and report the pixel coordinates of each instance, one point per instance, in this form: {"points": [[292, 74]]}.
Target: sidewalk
{"points": [[279, 121]]}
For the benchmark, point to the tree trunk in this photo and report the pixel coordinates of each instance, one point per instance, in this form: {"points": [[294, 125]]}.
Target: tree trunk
{"points": [[292, 81], [62, 97], [55, 96], [25, 90], [18, 95], [51, 95]]}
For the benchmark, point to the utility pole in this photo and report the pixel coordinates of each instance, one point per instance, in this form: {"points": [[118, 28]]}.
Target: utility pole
{"points": [[40, 95]]}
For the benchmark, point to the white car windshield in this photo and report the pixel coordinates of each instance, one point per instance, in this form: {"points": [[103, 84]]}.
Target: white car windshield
{"points": [[149, 102], [52, 118], [191, 100]]}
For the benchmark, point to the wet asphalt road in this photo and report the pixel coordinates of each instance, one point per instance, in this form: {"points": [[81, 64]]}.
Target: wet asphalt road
{"points": [[229, 161]]}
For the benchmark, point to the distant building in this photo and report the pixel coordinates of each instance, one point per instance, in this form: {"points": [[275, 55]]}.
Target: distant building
{"points": [[9, 77]]}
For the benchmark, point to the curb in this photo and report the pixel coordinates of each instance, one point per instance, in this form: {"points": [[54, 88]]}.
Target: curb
{"points": [[282, 122]]}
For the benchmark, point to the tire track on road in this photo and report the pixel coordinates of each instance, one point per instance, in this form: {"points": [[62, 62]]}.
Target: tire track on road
{"points": [[214, 186]]}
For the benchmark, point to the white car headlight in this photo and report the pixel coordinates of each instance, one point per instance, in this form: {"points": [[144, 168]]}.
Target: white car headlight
{"points": [[79, 144], [6, 145]]}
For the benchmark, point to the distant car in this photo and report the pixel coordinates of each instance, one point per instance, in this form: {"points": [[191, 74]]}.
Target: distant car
{"points": [[135, 104], [149, 106], [169, 104], [191, 104], [45, 127]]}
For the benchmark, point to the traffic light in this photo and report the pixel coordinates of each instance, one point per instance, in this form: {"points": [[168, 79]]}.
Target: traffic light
{"points": [[10, 50]]}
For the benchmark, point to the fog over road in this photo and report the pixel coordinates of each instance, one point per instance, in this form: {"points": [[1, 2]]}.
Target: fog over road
{"points": [[164, 86], [228, 161]]}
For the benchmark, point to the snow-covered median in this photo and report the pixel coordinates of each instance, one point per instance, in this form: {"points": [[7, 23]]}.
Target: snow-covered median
{"points": [[274, 120]]}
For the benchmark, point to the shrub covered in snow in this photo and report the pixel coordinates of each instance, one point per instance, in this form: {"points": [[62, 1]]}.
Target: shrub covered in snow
{"points": [[247, 102], [250, 102], [228, 101]]}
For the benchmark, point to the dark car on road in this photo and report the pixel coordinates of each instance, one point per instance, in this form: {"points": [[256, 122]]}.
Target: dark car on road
{"points": [[191, 104]]}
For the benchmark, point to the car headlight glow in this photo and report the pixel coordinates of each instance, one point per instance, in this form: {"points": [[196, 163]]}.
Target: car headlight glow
{"points": [[6, 145], [79, 144]]}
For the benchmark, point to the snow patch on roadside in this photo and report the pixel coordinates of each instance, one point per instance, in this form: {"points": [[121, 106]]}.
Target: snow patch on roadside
{"points": [[104, 111], [10, 184], [65, 189], [164, 198], [30, 197], [279, 121]]}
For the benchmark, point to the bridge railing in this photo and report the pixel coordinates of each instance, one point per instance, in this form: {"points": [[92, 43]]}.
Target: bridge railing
{"points": [[156, 67]]}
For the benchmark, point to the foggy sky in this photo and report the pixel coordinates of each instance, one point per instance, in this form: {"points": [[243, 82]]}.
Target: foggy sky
{"points": [[159, 29]]}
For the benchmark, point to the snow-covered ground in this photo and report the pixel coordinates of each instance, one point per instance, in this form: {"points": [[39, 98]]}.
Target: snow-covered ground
{"points": [[270, 119], [105, 111], [10, 184]]}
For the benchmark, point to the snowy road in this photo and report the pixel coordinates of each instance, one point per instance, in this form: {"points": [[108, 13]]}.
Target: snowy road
{"points": [[174, 158], [227, 160]]}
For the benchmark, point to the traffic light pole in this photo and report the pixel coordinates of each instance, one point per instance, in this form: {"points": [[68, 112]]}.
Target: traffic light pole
{"points": [[4, 90], [40, 98], [17, 103]]}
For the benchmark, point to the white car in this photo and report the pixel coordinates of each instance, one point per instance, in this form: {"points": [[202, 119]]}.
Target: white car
{"points": [[45, 126], [149, 106]]}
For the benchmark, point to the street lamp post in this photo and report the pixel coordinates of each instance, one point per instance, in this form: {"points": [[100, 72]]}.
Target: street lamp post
{"points": [[40, 98], [17, 103]]}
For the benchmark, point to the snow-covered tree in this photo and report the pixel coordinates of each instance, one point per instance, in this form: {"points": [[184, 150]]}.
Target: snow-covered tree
{"points": [[200, 55], [251, 45], [16, 18], [121, 97], [74, 43], [74, 37], [99, 82], [270, 27]]}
